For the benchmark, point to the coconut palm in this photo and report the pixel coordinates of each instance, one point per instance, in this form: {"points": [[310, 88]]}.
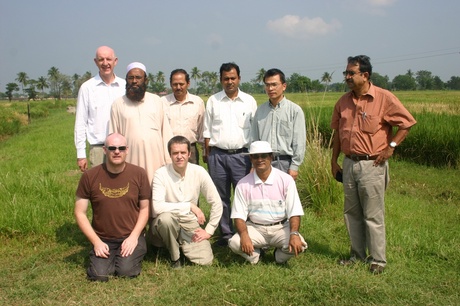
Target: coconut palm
{"points": [[41, 84], [53, 77], [22, 79], [160, 76], [326, 78], [195, 75], [260, 75]]}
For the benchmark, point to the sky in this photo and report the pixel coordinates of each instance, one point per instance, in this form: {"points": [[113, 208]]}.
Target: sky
{"points": [[308, 37]]}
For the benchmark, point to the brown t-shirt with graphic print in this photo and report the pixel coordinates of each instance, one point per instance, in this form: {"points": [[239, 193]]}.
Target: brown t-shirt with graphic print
{"points": [[114, 198]]}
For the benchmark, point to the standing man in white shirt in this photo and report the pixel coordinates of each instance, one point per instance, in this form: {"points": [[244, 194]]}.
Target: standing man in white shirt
{"points": [[94, 101], [227, 134], [186, 111]]}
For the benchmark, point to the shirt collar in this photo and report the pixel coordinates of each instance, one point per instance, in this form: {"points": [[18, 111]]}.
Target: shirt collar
{"points": [[269, 181], [99, 80]]}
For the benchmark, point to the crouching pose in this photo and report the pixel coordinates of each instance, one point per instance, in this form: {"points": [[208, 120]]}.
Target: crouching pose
{"points": [[266, 210], [177, 220]]}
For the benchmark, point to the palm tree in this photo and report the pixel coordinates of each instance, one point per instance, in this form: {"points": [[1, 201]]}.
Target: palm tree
{"points": [[41, 84], [326, 78], [160, 77], [53, 76], [22, 79], [260, 75], [195, 75]]}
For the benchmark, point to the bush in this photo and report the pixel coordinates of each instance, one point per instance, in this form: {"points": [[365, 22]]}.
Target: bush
{"points": [[10, 122]]}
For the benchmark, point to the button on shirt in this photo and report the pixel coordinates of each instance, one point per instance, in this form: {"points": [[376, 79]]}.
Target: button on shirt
{"points": [[266, 202], [283, 126], [94, 102], [186, 118], [365, 123], [227, 122]]}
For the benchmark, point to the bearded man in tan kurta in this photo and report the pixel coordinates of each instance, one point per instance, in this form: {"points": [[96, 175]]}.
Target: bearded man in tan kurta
{"points": [[140, 117]]}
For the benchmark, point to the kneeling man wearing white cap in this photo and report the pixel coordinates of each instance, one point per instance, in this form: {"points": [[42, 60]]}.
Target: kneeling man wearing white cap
{"points": [[266, 210]]}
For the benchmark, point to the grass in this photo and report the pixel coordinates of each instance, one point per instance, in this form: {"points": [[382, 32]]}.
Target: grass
{"points": [[45, 254]]}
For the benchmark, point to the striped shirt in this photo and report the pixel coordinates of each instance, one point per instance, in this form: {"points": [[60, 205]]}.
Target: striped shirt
{"points": [[266, 202]]}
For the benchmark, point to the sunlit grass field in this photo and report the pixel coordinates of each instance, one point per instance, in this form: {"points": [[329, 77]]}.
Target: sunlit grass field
{"points": [[45, 254]]}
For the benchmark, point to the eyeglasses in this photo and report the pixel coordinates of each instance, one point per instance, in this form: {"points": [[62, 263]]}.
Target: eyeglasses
{"points": [[257, 156], [113, 148], [351, 73], [272, 85]]}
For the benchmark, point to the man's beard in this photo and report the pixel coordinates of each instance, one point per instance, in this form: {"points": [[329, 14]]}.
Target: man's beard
{"points": [[136, 93]]}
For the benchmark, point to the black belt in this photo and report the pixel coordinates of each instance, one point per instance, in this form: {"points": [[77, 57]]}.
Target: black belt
{"points": [[270, 224], [232, 151], [355, 157], [98, 145], [283, 157]]}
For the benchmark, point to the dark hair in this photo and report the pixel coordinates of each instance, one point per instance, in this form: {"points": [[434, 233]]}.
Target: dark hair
{"points": [[364, 62], [228, 67], [176, 71], [178, 140], [273, 72]]}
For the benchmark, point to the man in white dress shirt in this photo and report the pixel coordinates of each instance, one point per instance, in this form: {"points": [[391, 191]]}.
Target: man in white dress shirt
{"points": [[95, 98], [178, 221]]}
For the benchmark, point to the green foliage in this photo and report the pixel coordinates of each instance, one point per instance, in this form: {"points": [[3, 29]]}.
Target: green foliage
{"points": [[10, 122], [319, 188], [44, 254]]}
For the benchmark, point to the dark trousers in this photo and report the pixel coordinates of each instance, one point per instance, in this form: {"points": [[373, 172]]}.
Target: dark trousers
{"points": [[195, 154], [226, 170], [131, 266]]}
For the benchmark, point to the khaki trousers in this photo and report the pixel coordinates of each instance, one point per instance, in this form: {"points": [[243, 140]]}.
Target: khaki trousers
{"points": [[168, 232], [266, 236], [364, 209]]}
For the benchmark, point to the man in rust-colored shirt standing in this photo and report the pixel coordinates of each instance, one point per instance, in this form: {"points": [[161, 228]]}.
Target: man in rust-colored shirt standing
{"points": [[363, 121]]}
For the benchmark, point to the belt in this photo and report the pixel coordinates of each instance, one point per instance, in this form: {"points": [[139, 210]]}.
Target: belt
{"points": [[232, 151], [355, 157], [283, 157], [270, 224], [97, 145]]}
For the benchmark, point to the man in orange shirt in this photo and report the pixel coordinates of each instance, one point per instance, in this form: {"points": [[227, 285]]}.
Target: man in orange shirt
{"points": [[363, 121]]}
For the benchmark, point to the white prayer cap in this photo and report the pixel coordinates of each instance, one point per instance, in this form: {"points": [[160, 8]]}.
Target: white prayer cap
{"points": [[136, 65]]}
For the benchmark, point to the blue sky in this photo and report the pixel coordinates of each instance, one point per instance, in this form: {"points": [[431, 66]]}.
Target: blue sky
{"points": [[304, 36]]}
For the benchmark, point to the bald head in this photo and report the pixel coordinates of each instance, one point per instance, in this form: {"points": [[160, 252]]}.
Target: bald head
{"points": [[115, 138], [106, 61]]}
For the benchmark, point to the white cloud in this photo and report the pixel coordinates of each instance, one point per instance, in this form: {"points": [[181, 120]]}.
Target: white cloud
{"points": [[302, 28]]}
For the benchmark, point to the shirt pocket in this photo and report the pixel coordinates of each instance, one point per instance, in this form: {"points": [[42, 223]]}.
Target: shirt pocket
{"points": [[285, 128], [369, 124]]}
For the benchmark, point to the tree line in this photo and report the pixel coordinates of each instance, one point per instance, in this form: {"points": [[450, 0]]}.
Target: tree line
{"points": [[207, 82]]}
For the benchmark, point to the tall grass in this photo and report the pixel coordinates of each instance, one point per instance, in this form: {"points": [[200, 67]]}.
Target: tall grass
{"points": [[44, 254], [317, 187]]}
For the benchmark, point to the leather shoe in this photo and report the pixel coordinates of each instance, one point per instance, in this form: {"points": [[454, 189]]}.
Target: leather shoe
{"points": [[376, 269], [176, 264]]}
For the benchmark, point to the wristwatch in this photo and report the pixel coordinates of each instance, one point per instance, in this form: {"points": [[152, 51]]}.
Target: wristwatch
{"points": [[295, 233], [393, 144]]}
